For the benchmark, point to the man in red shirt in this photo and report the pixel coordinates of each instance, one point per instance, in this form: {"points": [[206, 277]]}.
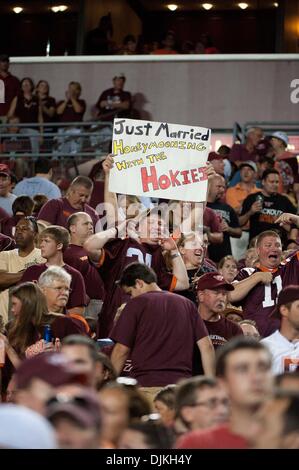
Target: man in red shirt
{"points": [[57, 211], [9, 84], [244, 152], [244, 367], [158, 330]]}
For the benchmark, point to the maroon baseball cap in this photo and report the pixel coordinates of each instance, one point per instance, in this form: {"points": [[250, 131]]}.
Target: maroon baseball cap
{"points": [[212, 281], [4, 170], [214, 156], [286, 295], [83, 408], [51, 367]]}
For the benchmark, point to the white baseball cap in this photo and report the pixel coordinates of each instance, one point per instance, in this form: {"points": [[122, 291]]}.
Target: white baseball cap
{"points": [[281, 136], [22, 428]]}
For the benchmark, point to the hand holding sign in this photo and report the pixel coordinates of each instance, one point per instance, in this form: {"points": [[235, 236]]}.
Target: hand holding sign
{"points": [[160, 160]]}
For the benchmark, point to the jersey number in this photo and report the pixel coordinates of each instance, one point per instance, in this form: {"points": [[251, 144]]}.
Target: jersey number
{"points": [[268, 301], [147, 259]]}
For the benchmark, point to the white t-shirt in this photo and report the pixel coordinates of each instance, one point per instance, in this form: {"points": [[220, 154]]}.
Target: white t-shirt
{"points": [[11, 262], [285, 353]]}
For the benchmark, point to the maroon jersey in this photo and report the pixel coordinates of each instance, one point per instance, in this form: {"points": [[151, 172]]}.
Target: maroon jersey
{"points": [[11, 89], [222, 331], [6, 243], [57, 211], [27, 110], [77, 296], [77, 257], [261, 300], [8, 225], [69, 114], [117, 254], [240, 153], [160, 328]]}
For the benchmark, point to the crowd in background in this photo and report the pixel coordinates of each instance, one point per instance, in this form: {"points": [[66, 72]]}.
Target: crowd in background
{"points": [[123, 328]]}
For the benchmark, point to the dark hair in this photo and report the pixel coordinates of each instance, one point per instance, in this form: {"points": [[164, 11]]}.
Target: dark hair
{"points": [[156, 435], [266, 233], [79, 340], [107, 365], [57, 233], [33, 222], [29, 80], [185, 394], [268, 172], [129, 38], [43, 81], [136, 271], [82, 181], [39, 201], [23, 204], [43, 165], [167, 396], [236, 344]]}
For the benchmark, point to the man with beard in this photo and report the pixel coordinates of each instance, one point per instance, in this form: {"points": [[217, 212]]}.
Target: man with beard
{"points": [[14, 262]]}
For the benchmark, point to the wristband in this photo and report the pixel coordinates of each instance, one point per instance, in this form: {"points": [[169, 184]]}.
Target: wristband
{"points": [[175, 255]]}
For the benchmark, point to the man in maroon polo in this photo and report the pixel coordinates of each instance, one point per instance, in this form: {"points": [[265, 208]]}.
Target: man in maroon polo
{"points": [[10, 85], [53, 242], [57, 211]]}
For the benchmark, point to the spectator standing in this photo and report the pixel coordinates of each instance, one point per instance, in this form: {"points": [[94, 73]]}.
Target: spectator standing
{"points": [[11, 86], [167, 352], [72, 109], [114, 102], [245, 152], [40, 183], [47, 103], [263, 208], [6, 196], [235, 197], [57, 211], [229, 220]]}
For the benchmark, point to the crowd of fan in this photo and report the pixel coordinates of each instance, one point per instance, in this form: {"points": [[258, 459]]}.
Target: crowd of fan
{"points": [[112, 308]]}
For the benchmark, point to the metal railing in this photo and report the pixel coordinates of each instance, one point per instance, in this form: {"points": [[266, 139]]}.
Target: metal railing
{"points": [[78, 140]]}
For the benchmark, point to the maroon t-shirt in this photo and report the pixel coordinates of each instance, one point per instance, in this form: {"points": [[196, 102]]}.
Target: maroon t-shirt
{"points": [[27, 111], [211, 220], [97, 195], [117, 254], [160, 328], [219, 437], [57, 211], [64, 325], [69, 114], [6, 243], [261, 300], [240, 153], [11, 89], [3, 214], [77, 297], [49, 102], [222, 331], [116, 96], [77, 257], [8, 225]]}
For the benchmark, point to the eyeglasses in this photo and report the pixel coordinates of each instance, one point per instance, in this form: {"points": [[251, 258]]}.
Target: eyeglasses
{"points": [[61, 289], [212, 403]]}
